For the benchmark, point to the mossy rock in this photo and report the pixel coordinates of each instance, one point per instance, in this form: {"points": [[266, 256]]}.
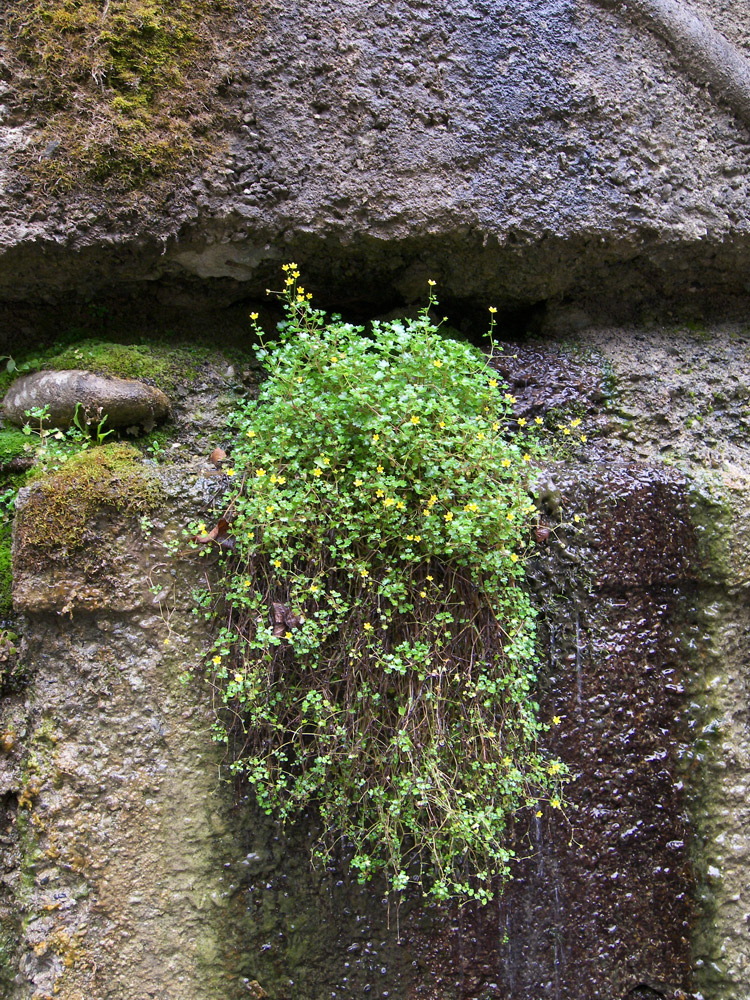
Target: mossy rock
{"points": [[61, 506], [159, 364]]}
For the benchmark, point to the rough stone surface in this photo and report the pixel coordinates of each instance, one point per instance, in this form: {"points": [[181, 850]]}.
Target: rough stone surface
{"points": [[124, 402], [518, 153], [133, 872]]}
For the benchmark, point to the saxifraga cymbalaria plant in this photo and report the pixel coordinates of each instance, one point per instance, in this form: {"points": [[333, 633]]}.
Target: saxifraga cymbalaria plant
{"points": [[378, 657]]}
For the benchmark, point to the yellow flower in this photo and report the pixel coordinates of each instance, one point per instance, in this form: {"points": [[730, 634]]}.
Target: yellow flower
{"points": [[238, 678], [289, 281], [493, 310], [576, 518], [584, 439], [538, 814], [576, 422], [251, 434], [437, 364], [430, 282], [334, 359], [287, 635], [364, 572], [273, 479], [388, 502], [496, 426], [326, 461], [433, 500], [527, 457], [229, 472], [300, 379], [441, 424], [423, 593], [216, 660], [314, 589], [357, 482], [400, 505], [505, 463], [513, 557], [508, 398], [472, 507], [379, 493], [449, 516], [493, 383], [253, 316], [555, 803], [247, 583], [414, 420], [506, 761], [509, 516], [554, 768], [417, 538], [166, 641], [367, 627], [521, 422], [380, 468], [281, 480], [317, 472], [566, 430], [277, 563], [270, 509], [375, 438], [430, 578], [538, 420], [556, 720], [260, 473], [480, 436]]}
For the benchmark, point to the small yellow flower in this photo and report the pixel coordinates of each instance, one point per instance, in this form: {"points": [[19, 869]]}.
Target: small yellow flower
{"points": [[509, 516], [251, 434], [300, 379], [449, 516], [289, 281], [367, 627], [270, 509], [229, 472], [505, 463], [400, 505], [287, 635], [496, 426], [273, 478], [538, 814], [441, 424], [253, 316], [375, 438], [493, 383], [521, 422], [576, 422], [260, 473], [527, 457], [166, 641], [414, 420], [326, 461], [216, 661], [480, 436], [281, 480], [554, 768], [417, 538], [471, 507], [380, 468], [357, 482], [433, 500], [576, 518], [314, 589], [508, 398], [317, 472], [238, 678], [538, 420], [389, 502], [513, 557], [506, 761], [247, 583], [584, 439], [566, 430], [423, 593], [493, 310], [379, 493], [430, 282], [556, 720], [437, 364], [334, 359], [364, 572], [555, 803], [430, 578], [277, 563]]}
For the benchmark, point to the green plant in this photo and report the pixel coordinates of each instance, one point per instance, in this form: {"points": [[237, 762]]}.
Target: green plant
{"points": [[379, 655]]}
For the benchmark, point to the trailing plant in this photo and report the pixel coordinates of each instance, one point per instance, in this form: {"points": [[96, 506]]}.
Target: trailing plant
{"points": [[378, 656]]}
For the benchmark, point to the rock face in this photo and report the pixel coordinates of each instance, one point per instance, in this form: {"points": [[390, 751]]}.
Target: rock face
{"points": [[125, 402], [130, 871], [520, 153]]}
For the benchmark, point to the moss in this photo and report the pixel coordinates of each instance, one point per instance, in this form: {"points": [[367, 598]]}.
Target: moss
{"points": [[161, 364], [6, 569], [128, 90], [62, 505], [13, 444]]}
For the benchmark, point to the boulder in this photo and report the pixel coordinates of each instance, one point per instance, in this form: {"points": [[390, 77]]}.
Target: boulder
{"points": [[126, 402]]}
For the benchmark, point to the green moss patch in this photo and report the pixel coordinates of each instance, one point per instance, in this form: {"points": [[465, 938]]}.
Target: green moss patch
{"points": [[160, 364], [127, 90], [62, 505], [13, 444]]}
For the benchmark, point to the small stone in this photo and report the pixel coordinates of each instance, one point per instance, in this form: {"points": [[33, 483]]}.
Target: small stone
{"points": [[124, 401]]}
